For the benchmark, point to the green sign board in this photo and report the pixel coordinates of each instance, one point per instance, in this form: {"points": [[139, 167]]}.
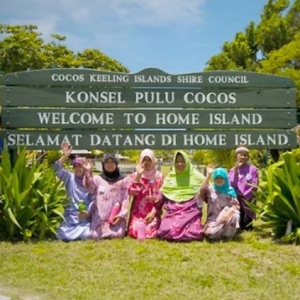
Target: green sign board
{"points": [[135, 139], [151, 108], [13, 96], [150, 118], [148, 77]]}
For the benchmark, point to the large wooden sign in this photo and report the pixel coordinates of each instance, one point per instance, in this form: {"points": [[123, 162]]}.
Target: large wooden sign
{"points": [[95, 109]]}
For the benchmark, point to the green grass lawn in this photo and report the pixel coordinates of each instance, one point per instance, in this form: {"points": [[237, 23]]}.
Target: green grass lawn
{"points": [[252, 266]]}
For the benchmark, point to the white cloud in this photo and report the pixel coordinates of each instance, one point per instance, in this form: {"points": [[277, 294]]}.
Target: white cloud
{"points": [[46, 26], [159, 12], [122, 29], [141, 12]]}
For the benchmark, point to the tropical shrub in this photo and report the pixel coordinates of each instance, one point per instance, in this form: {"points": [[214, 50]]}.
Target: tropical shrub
{"points": [[279, 195], [51, 156], [32, 200]]}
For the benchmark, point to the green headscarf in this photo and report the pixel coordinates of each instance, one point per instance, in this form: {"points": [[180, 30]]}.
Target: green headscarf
{"points": [[180, 187]]}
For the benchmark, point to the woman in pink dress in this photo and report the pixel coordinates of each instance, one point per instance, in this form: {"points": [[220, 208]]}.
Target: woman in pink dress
{"points": [[110, 196], [144, 189], [182, 218]]}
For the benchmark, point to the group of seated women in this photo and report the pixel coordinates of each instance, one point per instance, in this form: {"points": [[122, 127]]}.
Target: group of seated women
{"points": [[112, 205]]}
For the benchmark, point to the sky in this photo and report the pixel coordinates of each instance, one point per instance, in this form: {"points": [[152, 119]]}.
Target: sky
{"points": [[176, 36]]}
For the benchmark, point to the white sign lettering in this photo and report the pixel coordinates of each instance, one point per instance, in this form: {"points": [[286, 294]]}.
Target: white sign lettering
{"points": [[42, 140], [94, 97], [153, 78], [141, 140], [204, 139], [177, 119], [242, 119], [85, 118], [138, 118], [68, 77], [155, 97], [267, 140], [189, 79], [211, 98], [228, 79], [168, 140], [115, 78], [117, 140]]}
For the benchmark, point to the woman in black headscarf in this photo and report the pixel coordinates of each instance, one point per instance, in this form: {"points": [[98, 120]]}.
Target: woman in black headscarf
{"points": [[108, 218]]}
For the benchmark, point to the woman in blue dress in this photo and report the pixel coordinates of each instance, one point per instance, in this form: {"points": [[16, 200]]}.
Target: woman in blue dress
{"points": [[76, 225]]}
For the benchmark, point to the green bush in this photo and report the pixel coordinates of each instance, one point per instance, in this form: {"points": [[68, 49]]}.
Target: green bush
{"points": [[32, 200], [279, 195]]}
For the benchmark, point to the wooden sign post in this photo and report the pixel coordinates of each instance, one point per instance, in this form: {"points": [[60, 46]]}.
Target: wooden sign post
{"points": [[150, 109]]}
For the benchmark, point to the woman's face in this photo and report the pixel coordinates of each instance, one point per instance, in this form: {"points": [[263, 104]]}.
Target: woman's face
{"points": [[242, 157], [180, 163], [78, 170], [219, 181], [110, 165], [148, 163]]}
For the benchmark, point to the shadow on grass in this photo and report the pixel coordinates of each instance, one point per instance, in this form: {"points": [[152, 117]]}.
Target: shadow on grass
{"points": [[262, 233], [236, 238]]}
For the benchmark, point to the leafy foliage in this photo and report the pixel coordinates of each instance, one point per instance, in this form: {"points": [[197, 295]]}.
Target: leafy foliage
{"points": [[271, 46], [31, 199], [224, 158], [279, 196], [22, 48]]}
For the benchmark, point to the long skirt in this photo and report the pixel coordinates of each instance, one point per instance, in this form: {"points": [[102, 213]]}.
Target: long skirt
{"points": [[71, 230], [105, 230], [217, 229], [181, 222]]}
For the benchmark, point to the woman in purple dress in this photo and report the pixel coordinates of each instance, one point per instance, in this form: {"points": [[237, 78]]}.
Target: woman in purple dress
{"points": [[223, 209], [182, 219], [77, 221], [244, 178]]}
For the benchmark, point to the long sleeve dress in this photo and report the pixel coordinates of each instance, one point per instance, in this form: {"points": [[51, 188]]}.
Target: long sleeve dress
{"points": [[218, 205], [182, 218], [73, 228], [141, 206], [106, 195], [245, 182]]}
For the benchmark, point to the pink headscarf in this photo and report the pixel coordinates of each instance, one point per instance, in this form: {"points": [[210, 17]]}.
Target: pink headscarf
{"points": [[152, 173], [78, 161]]}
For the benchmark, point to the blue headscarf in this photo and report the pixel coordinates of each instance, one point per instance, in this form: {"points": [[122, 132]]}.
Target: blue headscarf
{"points": [[225, 188]]}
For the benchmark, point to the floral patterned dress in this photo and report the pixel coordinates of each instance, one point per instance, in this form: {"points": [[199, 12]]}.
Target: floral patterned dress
{"points": [[107, 195], [141, 206]]}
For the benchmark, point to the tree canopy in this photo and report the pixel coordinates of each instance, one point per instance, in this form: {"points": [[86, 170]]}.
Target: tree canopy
{"points": [[271, 46], [22, 47]]}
